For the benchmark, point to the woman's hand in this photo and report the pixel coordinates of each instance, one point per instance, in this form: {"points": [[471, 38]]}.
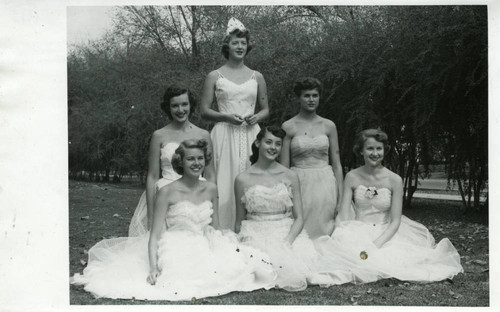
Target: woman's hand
{"points": [[251, 119], [153, 276], [234, 119]]}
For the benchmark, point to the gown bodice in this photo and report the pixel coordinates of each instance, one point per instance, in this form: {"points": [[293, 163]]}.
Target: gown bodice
{"points": [[166, 152], [309, 152], [265, 203], [187, 216], [372, 205], [236, 98]]}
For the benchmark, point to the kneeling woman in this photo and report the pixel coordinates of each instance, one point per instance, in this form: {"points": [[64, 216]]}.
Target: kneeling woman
{"points": [[188, 258], [269, 217], [376, 241]]}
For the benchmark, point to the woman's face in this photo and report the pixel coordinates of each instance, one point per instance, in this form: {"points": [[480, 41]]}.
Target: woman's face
{"points": [[179, 107], [193, 162], [237, 47], [309, 100], [373, 152], [269, 146]]}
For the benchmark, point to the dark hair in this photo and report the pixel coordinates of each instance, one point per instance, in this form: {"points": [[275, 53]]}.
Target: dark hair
{"points": [[239, 34], [180, 152], [377, 134], [274, 130], [306, 83], [173, 91]]}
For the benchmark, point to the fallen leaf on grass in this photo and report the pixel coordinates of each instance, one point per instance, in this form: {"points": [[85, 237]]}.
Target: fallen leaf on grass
{"points": [[83, 262], [353, 298], [116, 215], [480, 262], [85, 218], [369, 291]]}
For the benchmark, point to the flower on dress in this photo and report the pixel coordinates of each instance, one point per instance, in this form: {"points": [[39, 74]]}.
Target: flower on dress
{"points": [[371, 192], [363, 255]]}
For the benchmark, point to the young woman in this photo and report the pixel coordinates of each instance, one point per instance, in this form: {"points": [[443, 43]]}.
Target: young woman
{"points": [[311, 149], [380, 242], [269, 217], [237, 90], [178, 104], [188, 258]]}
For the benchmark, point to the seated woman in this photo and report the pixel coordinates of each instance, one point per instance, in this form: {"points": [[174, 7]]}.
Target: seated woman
{"points": [[269, 216], [379, 242], [188, 258]]}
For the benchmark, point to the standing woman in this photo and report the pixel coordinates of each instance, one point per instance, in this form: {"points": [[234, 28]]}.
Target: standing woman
{"points": [[178, 104], [236, 89], [311, 149]]}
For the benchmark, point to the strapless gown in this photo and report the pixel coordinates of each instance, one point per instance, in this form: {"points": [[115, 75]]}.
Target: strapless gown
{"points": [[139, 223], [195, 260], [318, 186], [410, 255], [269, 219], [232, 143]]}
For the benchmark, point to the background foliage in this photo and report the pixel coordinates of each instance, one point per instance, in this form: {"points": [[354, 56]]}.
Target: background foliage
{"points": [[418, 72]]}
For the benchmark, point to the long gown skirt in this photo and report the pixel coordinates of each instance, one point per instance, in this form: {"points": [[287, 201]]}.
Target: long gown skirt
{"points": [[318, 188], [232, 147]]}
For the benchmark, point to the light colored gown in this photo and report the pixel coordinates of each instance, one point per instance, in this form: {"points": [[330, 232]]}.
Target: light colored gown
{"points": [[318, 186], [268, 221], [139, 223], [410, 255], [195, 261], [232, 143]]}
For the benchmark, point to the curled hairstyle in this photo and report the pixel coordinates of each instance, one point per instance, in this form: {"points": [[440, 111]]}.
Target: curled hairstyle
{"points": [[180, 152], [239, 34], [173, 91], [377, 134], [306, 83], [274, 130]]}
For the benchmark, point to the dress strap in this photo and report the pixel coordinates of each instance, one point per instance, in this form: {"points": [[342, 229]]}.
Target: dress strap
{"points": [[219, 73]]}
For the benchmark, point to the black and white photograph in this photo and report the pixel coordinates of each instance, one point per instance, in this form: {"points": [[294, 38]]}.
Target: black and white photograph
{"points": [[257, 156]]}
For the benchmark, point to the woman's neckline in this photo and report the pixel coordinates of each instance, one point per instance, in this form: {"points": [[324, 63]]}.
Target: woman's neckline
{"points": [[377, 188], [235, 83]]}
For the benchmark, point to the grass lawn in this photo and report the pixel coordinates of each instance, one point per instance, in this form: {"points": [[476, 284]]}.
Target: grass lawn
{"points": [[109, 208]]}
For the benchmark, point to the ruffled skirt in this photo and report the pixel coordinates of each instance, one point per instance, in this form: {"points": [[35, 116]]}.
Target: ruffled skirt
{"points": [[411, 254], [192, 265], [298, 264]]}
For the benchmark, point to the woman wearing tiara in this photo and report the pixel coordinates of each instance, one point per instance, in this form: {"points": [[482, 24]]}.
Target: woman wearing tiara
{"points": [[178, 104], [379, 242], [311, 149], [269, 217], [188, 258], [237, 90]]}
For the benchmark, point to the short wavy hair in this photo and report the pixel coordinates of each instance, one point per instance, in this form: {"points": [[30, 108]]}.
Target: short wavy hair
{"points": [[180, 152], [176, 90], [377, 134], [240, 34], [306, 83], [274, 130]]}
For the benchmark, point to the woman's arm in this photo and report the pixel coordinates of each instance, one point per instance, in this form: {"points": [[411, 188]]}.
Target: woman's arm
{"points": [[215, 206], [396, 212], [298, 222], [207, 98], [161, 206], [263, 101], [210, 169], [241, 212], [345, 211], [153, 174], [285, 149], [335, 161]]}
